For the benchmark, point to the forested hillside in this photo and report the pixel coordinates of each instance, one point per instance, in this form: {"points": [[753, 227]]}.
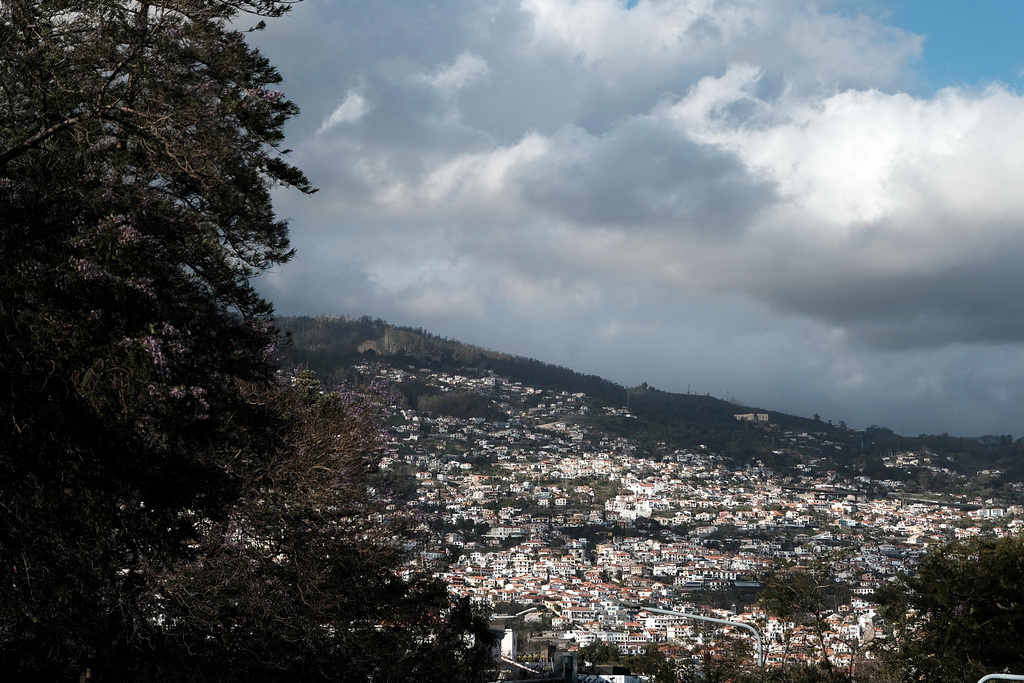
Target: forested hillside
{"points": [[326, 344]]}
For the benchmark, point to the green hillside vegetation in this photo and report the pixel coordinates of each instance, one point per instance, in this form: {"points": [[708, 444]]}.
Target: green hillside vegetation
{"points": [[460, 404]]}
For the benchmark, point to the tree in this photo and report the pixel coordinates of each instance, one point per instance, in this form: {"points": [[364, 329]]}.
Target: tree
{"points": [[720, 658], [652, 663], [300, 582], [150, 501], [805, 597], [960, 615], [599, 652]]}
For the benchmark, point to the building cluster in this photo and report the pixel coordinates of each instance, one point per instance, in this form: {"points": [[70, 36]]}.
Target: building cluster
{"points": [[542, 509]]}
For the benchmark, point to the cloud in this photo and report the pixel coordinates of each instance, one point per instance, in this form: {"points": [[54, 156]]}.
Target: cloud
{"points": [[353, 108], [470, 177], [900, 210], [467, 69], [700, 191], [643, 175], [794, 39], [427, 302], [852, 50]]}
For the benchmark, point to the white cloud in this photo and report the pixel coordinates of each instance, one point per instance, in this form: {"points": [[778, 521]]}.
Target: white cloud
{"points": [[861, 167], [706, 100], [830, 47], [353, 108], [466, 70], [790, 38], [476, 176]]}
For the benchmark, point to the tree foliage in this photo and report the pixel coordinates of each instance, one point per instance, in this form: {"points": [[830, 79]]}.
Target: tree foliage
{"points": [[651, 663], [804, 597], [960, 615], [460, 404], [169, 510], [599, 652]]}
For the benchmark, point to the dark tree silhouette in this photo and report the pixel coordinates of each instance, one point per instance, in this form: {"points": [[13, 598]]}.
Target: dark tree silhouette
{"points": [[168, 510]]}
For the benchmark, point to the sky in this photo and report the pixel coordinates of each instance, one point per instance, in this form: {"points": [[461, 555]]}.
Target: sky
{"points": [[813, 207]]}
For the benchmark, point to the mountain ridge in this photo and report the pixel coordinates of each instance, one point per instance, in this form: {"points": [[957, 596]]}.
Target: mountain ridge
{"points": [[330, 345]]}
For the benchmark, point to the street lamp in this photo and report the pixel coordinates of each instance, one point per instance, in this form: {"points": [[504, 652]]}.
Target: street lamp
{"points": [[758, 638], [1001, 677]]}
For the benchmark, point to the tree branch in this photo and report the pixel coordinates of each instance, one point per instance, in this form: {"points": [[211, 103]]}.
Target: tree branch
{"points": [[36, 140]]}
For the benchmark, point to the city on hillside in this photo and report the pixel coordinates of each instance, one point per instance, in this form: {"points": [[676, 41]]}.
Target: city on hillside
{"points": [[572, 536]]}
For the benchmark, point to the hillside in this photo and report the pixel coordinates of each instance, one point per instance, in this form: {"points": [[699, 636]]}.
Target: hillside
{"points": [[328, 343], [332, 345]]}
